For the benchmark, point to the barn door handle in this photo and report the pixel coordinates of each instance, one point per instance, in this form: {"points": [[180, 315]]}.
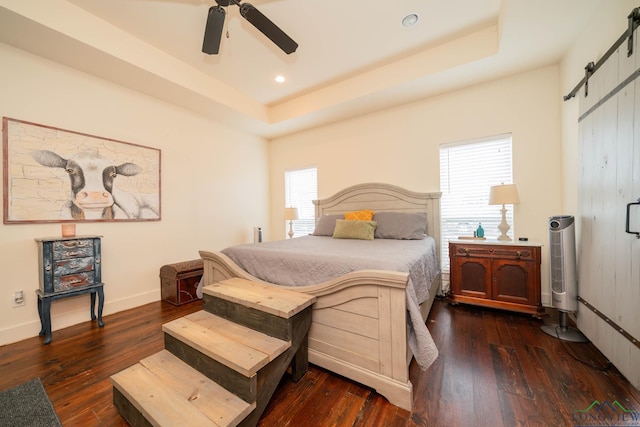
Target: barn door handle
{"points": [[637, 233]]}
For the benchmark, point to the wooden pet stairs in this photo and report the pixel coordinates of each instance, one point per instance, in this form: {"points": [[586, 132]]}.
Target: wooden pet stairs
{"points": [[221, 365]]}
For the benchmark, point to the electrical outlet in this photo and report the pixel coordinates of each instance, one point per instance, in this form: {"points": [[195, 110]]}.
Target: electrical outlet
{"points": [[18, 298]]}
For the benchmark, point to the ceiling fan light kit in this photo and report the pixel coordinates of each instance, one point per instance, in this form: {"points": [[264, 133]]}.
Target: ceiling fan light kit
{"points": [[215, 24]]}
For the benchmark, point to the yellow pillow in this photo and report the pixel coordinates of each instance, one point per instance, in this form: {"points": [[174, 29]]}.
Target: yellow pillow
{"points": [[363, 215]]}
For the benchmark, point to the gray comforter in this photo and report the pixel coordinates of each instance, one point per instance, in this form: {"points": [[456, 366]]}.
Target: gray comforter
{"points": [[311, 260]]}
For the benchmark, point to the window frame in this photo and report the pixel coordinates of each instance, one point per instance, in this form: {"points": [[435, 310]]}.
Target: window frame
{"points": [[461, 214], [302, 198]]}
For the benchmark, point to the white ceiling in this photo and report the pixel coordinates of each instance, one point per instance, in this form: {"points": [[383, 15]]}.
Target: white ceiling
{"points": [[354, 57]]}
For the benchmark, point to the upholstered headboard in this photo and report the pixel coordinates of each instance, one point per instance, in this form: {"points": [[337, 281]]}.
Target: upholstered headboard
{"points": [[384, 198]]}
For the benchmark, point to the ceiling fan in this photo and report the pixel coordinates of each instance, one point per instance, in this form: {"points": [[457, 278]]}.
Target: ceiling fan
{"points": [[215, 24]]}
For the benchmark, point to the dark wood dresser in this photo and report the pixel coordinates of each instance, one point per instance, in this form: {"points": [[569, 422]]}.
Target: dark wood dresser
{"points": [[495, 274]]}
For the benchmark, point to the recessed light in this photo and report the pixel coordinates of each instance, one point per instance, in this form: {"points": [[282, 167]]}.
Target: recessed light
{"points": [[410, 20], [280, 79]]}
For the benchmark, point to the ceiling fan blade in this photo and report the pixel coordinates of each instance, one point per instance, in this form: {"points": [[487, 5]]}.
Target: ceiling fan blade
{"points": [[268, 28], [213, 30]]}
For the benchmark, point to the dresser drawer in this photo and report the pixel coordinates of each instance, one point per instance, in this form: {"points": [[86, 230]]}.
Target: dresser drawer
{"points": [[502, 252], [474, 251], [70, 281], [524, 254], [72, 248], [73, 265]]}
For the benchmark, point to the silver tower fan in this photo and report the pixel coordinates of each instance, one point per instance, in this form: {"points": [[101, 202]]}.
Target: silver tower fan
{"points": [[564, 281]]}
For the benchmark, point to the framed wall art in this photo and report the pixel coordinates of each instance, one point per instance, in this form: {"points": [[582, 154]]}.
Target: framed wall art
{"points": [[57, 175]]}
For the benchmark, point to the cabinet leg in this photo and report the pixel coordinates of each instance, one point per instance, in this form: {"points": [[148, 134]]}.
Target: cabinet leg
{"points": [[452, 300], [41, 333], [44, 310], [100, 293], [93, 306], [540, 313], [100, 304]]}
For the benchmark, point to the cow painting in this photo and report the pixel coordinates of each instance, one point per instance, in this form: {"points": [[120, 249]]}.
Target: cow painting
{"points": [[93, 193]]}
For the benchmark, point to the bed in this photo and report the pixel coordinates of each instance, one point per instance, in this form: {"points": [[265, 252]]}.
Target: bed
{"points": [[367, 324]]}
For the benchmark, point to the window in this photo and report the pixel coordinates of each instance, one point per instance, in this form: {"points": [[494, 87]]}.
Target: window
{"points": [[467, 170], [301, 189]]}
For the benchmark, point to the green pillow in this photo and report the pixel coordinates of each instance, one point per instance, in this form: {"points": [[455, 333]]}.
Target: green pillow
{"points": [[350, 229]]}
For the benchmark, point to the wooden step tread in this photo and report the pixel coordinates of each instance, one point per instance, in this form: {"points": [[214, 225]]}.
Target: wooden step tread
{"points": [[268, 298], [168, 392], [237, 347]]}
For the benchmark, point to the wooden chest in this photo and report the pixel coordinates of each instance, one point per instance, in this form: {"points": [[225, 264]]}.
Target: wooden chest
{"points": [[179, 281]]}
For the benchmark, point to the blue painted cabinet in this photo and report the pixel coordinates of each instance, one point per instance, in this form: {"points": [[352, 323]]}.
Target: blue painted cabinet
{"points": [[69, 266]]}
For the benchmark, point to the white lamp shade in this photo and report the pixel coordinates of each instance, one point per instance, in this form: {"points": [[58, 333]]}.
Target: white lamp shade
{"points": [[290, 214], [505, 194]]}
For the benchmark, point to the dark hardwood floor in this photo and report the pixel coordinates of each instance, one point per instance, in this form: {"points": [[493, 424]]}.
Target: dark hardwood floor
{"points": [[495, 369]]}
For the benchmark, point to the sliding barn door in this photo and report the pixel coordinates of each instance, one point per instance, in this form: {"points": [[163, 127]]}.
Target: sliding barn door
{"points": [[609, 258]]}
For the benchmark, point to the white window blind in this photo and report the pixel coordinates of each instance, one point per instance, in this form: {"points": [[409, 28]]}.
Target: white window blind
{"points": [[467, 170], [301, 189]]}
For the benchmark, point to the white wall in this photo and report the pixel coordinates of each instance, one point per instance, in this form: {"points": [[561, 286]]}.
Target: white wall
{"points": [[400, 146], [214, 188]]}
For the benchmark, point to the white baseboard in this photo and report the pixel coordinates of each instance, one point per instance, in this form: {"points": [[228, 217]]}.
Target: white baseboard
{"points": [[74, 316], [546, 300]]}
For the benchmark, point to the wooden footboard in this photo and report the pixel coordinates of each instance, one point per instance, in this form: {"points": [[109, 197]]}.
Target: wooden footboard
{"points": [[359, 325]]}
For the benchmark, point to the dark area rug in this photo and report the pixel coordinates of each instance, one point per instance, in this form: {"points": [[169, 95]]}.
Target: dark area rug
{"points": [[27, 405]]}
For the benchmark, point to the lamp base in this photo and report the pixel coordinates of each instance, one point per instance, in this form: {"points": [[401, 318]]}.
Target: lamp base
{"points": [[504, 227]]}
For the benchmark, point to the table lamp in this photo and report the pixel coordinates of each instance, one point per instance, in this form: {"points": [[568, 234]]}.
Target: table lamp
{"points": [[290, 214], [503, 195]]}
